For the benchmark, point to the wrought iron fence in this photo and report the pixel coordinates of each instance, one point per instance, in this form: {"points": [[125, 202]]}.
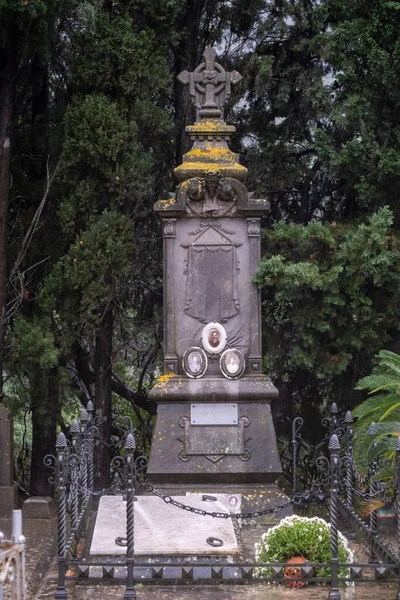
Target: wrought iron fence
{"points": [[12, 560], [336, 483]]}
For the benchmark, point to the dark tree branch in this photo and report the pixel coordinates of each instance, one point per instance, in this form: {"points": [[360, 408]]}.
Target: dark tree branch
{"points": [[83, 375], [136, 399]]}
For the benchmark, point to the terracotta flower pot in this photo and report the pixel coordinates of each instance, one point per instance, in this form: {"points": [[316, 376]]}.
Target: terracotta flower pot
{"points": [[294, 572]]}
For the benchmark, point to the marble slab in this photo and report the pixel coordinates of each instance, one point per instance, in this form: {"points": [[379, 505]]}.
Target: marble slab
{"points": [[163, 529]]}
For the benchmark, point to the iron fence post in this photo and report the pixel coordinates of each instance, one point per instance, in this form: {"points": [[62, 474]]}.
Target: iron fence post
{"points": [[296, 425], [130, 592], [373, 519], [348, 419], [74, 430], [84, 420], [61, 474], [334, 448], [90, 457], [334, 413], [398, 509]]}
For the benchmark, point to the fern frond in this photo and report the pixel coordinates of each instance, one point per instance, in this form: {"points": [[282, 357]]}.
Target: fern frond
{"points": [[375, 383], [380, 402]]}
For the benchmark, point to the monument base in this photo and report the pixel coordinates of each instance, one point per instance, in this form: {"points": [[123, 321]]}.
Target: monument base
{"points": [[196, 451]]}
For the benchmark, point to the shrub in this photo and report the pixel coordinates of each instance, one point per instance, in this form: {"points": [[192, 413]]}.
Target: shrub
{"points": [[301, 536]]}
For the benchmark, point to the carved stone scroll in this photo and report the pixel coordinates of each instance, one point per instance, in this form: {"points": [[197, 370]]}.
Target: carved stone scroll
{"points": [[212, 196]]}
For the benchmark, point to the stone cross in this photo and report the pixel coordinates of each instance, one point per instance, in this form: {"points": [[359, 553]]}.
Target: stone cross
{"points": [[209, 86]]}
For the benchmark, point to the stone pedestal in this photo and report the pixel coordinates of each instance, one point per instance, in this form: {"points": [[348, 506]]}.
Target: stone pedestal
{"points": [[185, 451], [39, 507], [8, 491]]}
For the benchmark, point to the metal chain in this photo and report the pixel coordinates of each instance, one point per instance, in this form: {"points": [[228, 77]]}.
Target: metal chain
{"points": [[366, 496], [307, 496], [361, 479]]}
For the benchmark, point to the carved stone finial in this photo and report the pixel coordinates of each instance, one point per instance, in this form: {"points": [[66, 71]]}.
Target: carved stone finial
{"points": [[209, 86]]}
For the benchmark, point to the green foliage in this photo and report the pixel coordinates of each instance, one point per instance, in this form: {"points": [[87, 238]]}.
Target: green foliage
{"points": [[301, 536], [330, 300], [92, 276], [123, 60], [321, 127], [381, 410], [103, 162], [34, 343]]}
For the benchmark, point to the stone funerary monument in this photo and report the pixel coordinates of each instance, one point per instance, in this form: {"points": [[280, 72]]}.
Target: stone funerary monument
{"points": [[214, 423]]}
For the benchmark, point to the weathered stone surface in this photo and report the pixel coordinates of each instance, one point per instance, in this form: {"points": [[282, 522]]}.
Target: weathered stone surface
{"points": [[8, 491], [8, 500], [208, 271], [170, 463], [162, 529], [6, 449], [212, 389], [39, 507]]}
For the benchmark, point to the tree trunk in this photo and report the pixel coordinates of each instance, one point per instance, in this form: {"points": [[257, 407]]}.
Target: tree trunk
{"points": [[45, 415], [103, 382], [187, 56], [8, 69]]}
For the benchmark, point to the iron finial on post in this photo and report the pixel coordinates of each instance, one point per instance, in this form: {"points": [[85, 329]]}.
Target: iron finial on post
{"points": [[84, 416], [348, 418], [373, 429], [130, 443], [334, 443], [74, 427], [61, 442]]}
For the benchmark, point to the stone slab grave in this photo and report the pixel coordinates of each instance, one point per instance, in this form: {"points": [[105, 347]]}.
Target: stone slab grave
{"points": [[162, 529]]}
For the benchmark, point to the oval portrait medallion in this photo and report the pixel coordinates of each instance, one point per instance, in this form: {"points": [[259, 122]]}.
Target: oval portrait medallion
{"points": [[194, 362], [214, 338], [232, 363]]}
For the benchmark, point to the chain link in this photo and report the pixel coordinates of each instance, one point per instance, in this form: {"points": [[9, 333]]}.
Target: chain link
{"points": [[297, 499], [368, 497]]}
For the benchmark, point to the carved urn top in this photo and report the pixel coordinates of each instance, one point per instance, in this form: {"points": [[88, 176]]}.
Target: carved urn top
{"points": [[210, 89]]}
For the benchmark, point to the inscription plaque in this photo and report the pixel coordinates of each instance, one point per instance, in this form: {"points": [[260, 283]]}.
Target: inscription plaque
{"points": [[214, 414]]}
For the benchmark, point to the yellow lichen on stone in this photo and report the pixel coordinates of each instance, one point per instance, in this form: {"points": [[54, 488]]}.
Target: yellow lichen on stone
{"points": [[210, 125], [209, 153], [164, 379], [165, 204], [199, 169]]}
